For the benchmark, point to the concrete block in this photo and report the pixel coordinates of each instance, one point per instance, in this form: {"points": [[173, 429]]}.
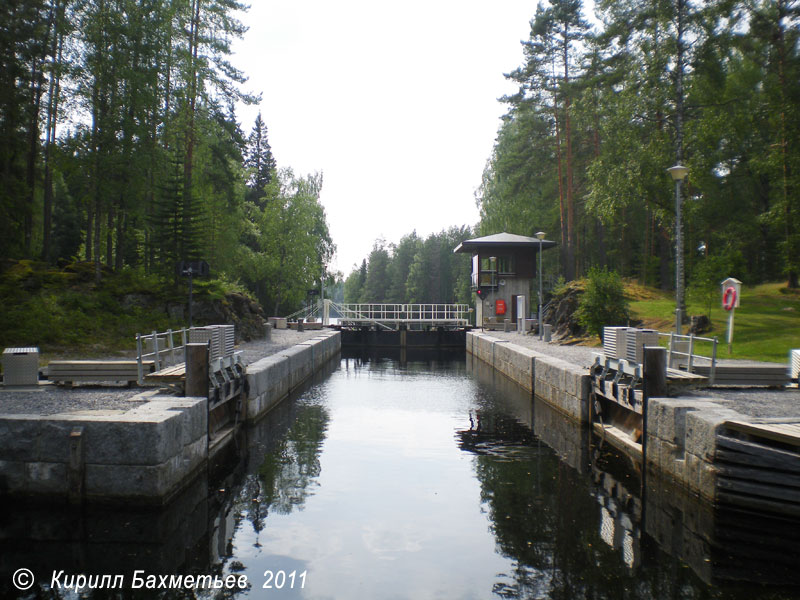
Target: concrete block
{"points": [[702, 427], [666, 417], [701, 476], [299, 364], [150, 482], [45, 477], [19, 436], [33, 477]]}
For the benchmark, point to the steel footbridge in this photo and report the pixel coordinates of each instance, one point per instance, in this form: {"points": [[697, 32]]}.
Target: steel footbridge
{"points": [[389, 317]]}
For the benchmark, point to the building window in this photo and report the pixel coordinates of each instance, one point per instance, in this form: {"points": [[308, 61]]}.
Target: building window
{"points": [[490, 270], [505, 265]]}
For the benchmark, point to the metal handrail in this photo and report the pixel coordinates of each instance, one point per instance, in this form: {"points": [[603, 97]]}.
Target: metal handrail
{"points": [[691, 355], [404, 312], [162, 356]]}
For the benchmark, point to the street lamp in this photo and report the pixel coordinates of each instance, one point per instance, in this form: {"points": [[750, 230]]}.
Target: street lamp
{"points": [[540, 235], [678, 173]]}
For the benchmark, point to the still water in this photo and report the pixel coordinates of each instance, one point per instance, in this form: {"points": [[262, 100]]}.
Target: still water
{"points": [[432, 478]]}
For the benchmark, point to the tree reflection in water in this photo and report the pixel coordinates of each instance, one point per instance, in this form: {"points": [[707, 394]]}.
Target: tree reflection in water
{"points": [[544, 516], [287, 466], [289, 472]]}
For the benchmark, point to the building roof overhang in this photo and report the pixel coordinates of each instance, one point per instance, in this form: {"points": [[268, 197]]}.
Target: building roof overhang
{"points": [[503, 240]]}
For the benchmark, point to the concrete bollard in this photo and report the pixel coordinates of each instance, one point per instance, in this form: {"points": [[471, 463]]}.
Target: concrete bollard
{"points": [[197, 370], [548, 332], [506, 325], [267, 331]]}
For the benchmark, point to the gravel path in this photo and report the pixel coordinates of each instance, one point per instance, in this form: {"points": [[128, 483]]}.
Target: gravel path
{"points": [[579, 355], [280, 339], [50, 399], [778, 404], [758, 403]]}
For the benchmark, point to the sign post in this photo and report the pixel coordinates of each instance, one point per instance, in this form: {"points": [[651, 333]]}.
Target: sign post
{"points": [[197, 268], [731, 292]]}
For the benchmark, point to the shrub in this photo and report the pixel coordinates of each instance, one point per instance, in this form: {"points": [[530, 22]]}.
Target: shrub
{"points": [[603, 302]]}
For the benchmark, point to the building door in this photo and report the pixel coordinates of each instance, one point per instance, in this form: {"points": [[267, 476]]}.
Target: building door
{"points": [[514, 308]]}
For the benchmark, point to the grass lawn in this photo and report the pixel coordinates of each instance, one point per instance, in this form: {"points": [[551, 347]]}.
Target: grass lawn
{"points": [[766, 325]]}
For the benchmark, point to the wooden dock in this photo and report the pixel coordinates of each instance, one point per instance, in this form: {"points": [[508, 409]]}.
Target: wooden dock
{"points": [[759, 466], [70, 371], [169, 375], [749, 373]]}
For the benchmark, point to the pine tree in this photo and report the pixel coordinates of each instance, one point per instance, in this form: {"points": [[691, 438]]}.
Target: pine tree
{"points": [[260, 161]]}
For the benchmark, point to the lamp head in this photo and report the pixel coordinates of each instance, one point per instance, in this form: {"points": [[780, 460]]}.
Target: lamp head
{"points": [[540, 235], [678, 172]]}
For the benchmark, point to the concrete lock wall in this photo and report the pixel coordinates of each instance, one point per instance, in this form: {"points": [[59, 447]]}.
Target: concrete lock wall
{"points": [[561, 384], [271, 379], [681, 440], [146, 454]]}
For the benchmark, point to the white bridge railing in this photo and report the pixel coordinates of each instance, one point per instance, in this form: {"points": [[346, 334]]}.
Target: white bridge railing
{"points": [[387, 316], [403, 313]]}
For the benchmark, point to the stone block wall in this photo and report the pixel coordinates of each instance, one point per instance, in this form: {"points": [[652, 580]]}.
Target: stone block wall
{"points": [[681, 440], [271, 379], [146, 454], [561, 384]]}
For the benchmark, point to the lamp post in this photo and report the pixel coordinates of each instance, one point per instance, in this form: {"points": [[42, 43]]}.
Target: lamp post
{"points": [[540, 235], [678, 173]]}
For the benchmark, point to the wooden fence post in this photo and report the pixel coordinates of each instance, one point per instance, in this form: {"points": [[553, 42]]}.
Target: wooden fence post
{"points": [[655, 370], [197, 369]]}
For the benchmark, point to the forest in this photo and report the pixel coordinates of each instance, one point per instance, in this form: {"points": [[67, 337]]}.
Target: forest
{"points": [[119, 145], [605, 105], [415, 271]]}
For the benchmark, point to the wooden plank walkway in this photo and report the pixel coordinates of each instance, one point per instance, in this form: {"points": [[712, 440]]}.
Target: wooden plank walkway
{"points": [[749, 373], [95, 370], [173, 374], [786, 433], [678, 381], [758, 466]]}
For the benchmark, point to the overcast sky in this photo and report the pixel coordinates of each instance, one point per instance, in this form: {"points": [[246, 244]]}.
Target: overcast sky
{"points": [[395, 103]]}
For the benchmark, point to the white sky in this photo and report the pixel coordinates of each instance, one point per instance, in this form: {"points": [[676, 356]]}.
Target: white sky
{"points": [[395, 103]]}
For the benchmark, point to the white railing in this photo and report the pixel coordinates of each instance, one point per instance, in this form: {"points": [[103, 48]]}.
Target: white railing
{"points": [[682, 348], [404, 313], [160, 348]]}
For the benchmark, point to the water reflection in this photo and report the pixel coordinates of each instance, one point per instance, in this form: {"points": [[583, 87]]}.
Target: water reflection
{"points": [[423, 479], [586, 525]]}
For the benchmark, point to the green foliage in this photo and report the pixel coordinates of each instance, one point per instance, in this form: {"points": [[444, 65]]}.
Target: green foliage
{"points": [[766, 323], [704, 287], [414, 271], [733, 120], [288, 244], [603, 303], [66, 310]]}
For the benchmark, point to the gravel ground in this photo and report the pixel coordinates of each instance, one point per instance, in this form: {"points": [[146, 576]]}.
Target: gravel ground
{"points": [[280, 339], [758, 403], [778, 404], [579, 355], [49, 399]]}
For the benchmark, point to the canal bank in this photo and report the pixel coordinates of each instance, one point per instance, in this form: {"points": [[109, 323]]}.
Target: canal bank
{"points": [[728, 446], [143, 448], [432, 479], [722, 547]]}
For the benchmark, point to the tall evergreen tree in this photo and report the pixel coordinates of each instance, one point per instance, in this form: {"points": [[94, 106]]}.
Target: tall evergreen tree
{"points": [[260, 161]]}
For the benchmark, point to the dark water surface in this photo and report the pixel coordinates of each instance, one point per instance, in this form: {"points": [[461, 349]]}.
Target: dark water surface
{"points": [[423, 479]]}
